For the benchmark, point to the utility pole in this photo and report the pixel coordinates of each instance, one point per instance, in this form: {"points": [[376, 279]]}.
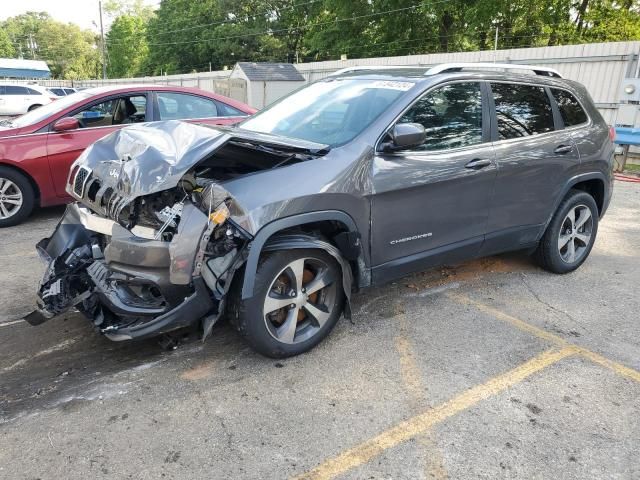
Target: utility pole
{"points": [[31, 43], [104, 57], [495, 46]]}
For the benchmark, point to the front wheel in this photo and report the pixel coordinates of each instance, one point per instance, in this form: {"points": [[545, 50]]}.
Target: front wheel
{"points": [[17, 197], [568, 240], [298, 299]]}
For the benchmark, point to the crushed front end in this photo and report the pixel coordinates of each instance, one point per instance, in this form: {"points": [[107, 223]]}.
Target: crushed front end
{"points": [[145, 281], [152, 243]]}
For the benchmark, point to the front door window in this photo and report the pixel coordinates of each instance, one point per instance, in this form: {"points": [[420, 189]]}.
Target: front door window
{"points": [[115, 111]]}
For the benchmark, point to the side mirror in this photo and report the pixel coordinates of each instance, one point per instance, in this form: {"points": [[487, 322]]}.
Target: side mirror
{"points": [[405, 135], [65, 124]]}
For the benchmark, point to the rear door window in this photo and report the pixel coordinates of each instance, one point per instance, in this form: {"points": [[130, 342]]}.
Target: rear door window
{"points": [[521, 110], [177, 106], [570, 109]]}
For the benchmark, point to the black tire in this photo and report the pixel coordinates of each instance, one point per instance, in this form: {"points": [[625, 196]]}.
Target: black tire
{"points": [[33, 107], [549, 255], [24, 187], [260, 331]]}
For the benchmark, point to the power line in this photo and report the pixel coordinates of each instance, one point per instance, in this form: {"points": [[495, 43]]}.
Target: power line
{"points": [[231, 20], [329, 22]]}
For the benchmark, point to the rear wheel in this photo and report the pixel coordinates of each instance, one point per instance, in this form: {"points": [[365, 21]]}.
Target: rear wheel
{"points": [[17, 197], [299, 298], [33, 107], [571, 234]]}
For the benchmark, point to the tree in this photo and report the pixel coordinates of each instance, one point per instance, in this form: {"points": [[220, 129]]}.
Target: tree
{"points": [[6, 47], [127, 47], [69, 51]]}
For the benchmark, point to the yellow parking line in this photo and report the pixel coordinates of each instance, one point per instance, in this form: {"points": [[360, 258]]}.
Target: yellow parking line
{"points": [[516, 322], [431, 455], [618, 368], [408, 429], [615, 366]]}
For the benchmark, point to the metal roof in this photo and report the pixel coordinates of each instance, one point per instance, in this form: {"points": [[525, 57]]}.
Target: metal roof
{"points": [[20, 68], [264, 71]]}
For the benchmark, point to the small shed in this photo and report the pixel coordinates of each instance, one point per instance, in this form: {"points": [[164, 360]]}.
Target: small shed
{"points": [[267, 82], [20, 68]]}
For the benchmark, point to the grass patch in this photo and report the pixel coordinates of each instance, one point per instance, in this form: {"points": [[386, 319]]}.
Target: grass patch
{"points": [[632, 168]]}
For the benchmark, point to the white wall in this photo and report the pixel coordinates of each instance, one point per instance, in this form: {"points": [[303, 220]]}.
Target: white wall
{"points": [[261, 94], [601, 67]]}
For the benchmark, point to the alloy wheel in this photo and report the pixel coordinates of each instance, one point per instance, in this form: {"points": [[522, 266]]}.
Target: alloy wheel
{"points": [[300, 300], [10, 198], [575, 234]]}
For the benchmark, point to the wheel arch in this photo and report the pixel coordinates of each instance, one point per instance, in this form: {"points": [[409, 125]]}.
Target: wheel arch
{"points": [[349, 246], [594, 183], [32, 182]]}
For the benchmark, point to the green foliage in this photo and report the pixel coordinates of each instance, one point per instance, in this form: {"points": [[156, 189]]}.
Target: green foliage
{"points": [[187, 35], [6, 47], [127, 46], [69, 51]]}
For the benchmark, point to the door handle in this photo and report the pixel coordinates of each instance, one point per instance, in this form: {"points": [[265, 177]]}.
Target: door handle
{"points": [[562, 149], [478, 163]]}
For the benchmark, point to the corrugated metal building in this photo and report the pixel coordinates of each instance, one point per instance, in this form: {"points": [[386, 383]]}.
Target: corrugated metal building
{"points": [[25, 69], [601, 67]]}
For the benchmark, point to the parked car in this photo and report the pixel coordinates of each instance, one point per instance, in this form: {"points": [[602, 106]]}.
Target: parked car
{"points": [[37, 149], [352, 181], [61, 91], [19, 99]]}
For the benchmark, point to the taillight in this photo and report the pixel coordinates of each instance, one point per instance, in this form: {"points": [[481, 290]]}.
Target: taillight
{"points": [[612, 134]]}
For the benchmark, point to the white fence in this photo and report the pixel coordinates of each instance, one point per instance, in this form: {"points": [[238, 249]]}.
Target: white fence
{"points": [[601, 67]]}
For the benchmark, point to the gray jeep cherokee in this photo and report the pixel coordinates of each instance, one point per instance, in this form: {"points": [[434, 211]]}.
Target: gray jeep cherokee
{"points": [[352, 181]]}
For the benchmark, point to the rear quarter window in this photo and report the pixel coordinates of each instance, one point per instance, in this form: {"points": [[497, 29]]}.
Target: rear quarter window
{"points": [[570, 109]]}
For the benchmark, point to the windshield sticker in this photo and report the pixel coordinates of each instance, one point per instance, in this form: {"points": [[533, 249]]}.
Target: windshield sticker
{"points": [[402, 86]]}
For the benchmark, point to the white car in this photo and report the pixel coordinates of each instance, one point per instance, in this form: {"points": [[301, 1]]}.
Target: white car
{"points": [[61, 91], [19, 99]]}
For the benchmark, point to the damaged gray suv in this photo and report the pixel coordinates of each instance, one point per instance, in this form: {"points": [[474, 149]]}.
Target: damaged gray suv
{"points": [[352, 181]]}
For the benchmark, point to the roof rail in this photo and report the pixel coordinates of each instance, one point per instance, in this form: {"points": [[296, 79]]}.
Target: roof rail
{"points": [[456, 67], [376, 67]]}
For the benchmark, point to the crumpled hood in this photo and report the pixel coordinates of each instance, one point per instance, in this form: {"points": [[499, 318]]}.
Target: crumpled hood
{"points": [[139, 160], [143, 159]]}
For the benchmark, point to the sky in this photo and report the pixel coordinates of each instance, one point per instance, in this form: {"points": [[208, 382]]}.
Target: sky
{"points": [[81, 12]]}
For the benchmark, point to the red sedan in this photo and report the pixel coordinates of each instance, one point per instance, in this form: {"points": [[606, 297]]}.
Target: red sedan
{"points": [[37, 149]]}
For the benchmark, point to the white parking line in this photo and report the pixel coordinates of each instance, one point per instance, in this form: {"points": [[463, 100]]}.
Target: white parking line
{"points": [[7, 324]]}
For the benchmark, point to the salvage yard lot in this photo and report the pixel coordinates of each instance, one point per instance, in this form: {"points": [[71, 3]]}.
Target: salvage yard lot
{"points": [[492, 369]]}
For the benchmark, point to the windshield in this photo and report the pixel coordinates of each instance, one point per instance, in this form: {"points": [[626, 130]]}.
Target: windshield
{"points": [[331, 112], [39, 114]]}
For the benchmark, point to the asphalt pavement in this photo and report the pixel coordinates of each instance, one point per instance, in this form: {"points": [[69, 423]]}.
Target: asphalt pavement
{"points": [[489, 369]]}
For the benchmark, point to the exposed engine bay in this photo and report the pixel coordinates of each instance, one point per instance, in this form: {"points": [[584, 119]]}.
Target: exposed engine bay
{"points": [[155, 239]]}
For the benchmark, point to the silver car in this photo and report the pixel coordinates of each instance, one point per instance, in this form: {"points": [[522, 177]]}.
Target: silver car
{"points": [[352, 181]]}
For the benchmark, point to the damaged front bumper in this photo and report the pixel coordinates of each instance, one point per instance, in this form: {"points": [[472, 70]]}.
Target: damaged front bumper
{"points": [[130, 287]]}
